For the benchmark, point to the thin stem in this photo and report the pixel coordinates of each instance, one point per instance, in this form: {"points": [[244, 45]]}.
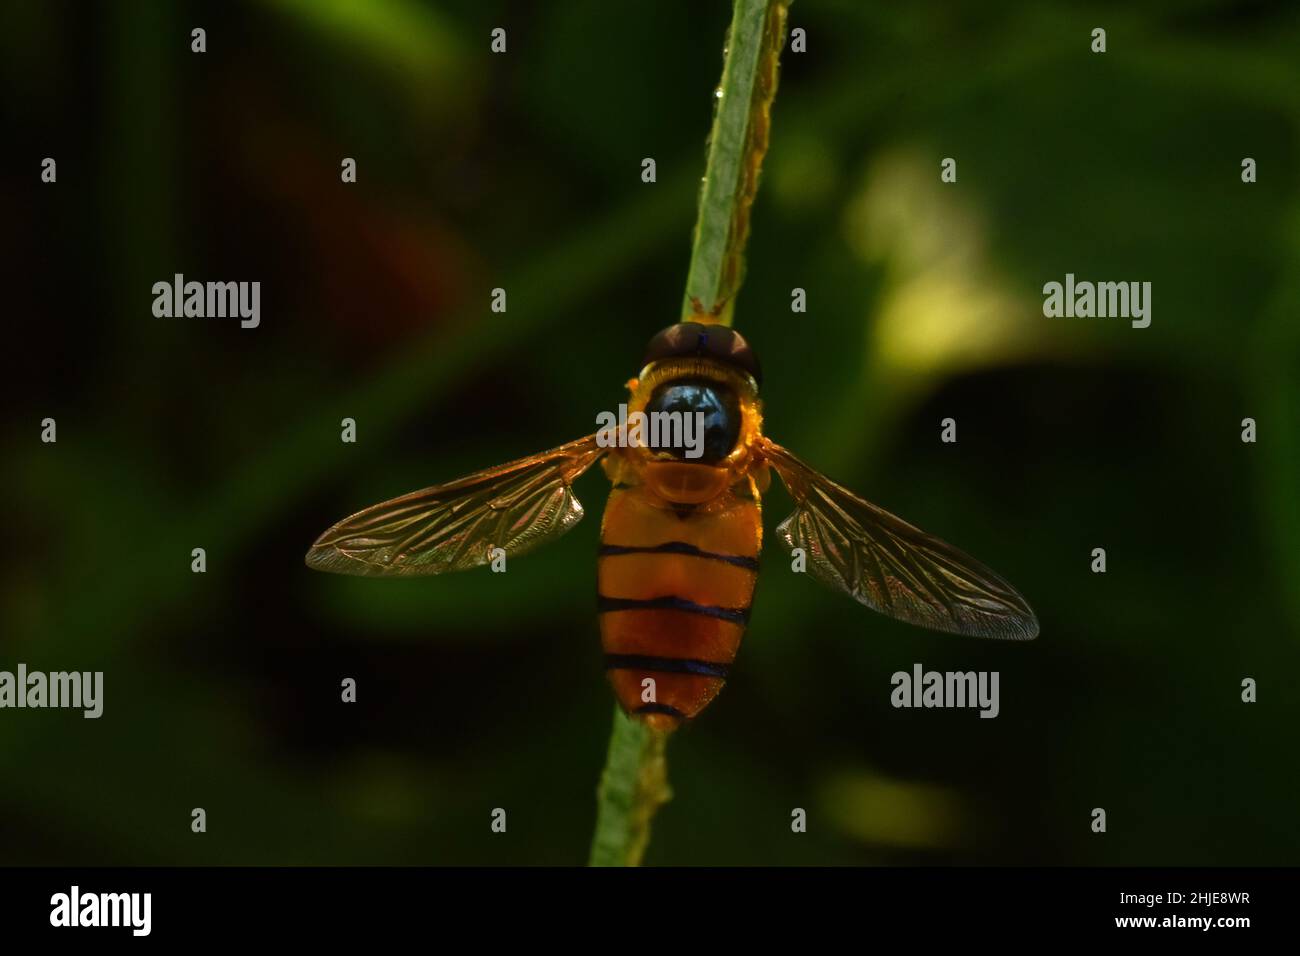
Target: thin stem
{"points": [[635, 782], [737, 145], [633, 786]]}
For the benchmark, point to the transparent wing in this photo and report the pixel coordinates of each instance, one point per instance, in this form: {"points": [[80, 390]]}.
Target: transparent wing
{"points": [[890, 566], [452, 527]]}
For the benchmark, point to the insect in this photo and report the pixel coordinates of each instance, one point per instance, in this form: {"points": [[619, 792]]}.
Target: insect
{"points": [[680, 538]]}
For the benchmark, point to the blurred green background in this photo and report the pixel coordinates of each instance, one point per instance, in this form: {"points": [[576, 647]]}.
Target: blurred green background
{"points": [[522, 171]]}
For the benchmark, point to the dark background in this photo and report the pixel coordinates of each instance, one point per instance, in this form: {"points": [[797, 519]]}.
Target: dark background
{"points": [[523, 171]]}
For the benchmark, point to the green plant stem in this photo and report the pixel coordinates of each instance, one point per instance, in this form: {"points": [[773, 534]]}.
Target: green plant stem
{"points": [[737, 145], [633, 786], [635, 782]]}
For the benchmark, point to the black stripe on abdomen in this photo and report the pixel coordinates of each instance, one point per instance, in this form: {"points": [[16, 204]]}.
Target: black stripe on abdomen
{"points": [[665, 665], [680, 547], [661, 709], [736, 615]]}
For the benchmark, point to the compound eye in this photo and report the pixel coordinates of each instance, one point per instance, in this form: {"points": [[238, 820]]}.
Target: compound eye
{"points": [[697, 339], [674, 342], [729, 346]]}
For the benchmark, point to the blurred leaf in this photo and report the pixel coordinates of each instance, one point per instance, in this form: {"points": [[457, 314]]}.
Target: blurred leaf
{"points": [[877, 810], [405, 35]]}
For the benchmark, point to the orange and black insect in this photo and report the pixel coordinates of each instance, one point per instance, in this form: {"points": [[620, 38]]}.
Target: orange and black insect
{"points": [[681, 537]]}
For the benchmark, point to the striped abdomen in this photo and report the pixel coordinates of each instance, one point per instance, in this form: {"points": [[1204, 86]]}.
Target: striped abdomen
{"points": [[675, 587]]}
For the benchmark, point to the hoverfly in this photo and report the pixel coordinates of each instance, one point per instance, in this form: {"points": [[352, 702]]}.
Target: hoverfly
{"points": [[680, 538]]}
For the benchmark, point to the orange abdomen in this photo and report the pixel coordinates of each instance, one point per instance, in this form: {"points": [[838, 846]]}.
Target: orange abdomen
{"points": [[674, 589]]}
